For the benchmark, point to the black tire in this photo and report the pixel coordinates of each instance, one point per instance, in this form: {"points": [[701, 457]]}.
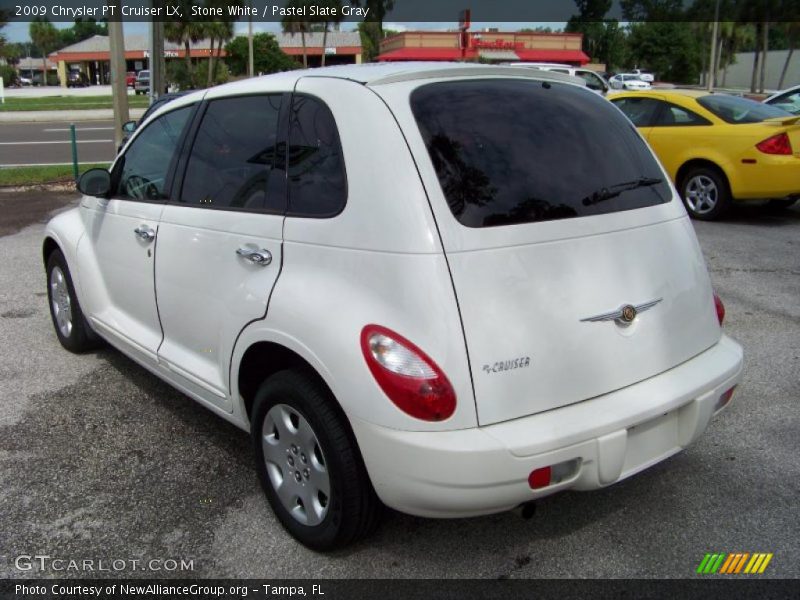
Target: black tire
{"points": [[352, 507], [79, 337], [781, 203], [705, 193]]}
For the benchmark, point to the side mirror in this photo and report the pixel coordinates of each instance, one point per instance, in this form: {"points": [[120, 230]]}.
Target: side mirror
{"points": [[95, 182], [129, 127]]}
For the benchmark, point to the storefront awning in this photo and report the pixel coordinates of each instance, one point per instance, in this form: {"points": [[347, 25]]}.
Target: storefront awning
{"points": [[498, 55]]}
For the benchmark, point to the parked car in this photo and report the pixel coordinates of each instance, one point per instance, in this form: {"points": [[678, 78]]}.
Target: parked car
{"points": [[644, 75], [788, 100], [409, 289], [717, 148], [130, 79], [142, 84], [24, 81], [628, 81], [594, 81], [129, 127], [77, 79]]}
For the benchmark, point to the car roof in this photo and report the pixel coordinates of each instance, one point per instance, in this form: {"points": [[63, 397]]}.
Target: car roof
{"points": [[390, 72]]}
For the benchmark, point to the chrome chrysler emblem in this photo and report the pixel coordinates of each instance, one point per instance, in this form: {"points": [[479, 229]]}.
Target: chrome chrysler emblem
{"points": [[624, 315]]}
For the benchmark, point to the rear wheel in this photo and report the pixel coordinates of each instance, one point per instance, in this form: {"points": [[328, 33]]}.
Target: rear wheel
{"points": [[705, 193], [71, 328], [309, 464]]}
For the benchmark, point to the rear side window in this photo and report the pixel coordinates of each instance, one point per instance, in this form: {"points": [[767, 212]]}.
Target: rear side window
{"points": [[733, 109], [317, 180], [516, 151], [234, 155]]}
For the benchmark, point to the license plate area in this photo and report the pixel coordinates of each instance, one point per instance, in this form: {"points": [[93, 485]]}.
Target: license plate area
{"points": [[651, 442]]}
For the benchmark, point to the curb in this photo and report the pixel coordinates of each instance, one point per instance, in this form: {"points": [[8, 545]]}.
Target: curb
{"points": [[53, 186]]}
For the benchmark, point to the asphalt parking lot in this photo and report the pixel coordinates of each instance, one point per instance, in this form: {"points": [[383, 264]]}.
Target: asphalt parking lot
{"points": [[101, 460]]}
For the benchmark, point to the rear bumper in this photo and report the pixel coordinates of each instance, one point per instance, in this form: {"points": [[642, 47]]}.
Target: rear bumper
{"points": [[485, 470], [770, 177]]}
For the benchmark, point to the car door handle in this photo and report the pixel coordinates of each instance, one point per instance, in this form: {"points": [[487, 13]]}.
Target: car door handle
{"points": [[251, 253], [145, 233]]}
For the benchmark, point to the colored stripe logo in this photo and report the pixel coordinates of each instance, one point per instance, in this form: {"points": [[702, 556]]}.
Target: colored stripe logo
{"points": [[734, 564]]}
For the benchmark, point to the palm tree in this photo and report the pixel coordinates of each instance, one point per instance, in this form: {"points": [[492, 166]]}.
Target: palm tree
{"points": [[184, 32], [45, 37], [326, 21], [293, 25], [221, 32], [792, 29]]}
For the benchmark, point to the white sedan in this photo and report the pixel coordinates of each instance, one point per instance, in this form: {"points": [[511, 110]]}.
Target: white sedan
{"points": [[788, 100], [628, 81]]}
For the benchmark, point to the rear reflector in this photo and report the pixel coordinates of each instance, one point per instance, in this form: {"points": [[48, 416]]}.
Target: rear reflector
{"points": [[720, 308], [724, 399], [539, 478], [777, 144]]}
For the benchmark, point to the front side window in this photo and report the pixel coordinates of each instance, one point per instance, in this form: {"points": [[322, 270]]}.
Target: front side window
{"points": [[140, 174], [510, 151], [673, 115], [234, 154], [641, 111], [317, 179]]}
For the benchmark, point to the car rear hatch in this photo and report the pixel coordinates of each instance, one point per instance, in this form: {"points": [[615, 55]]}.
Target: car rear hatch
{"points": [[575, 268]]}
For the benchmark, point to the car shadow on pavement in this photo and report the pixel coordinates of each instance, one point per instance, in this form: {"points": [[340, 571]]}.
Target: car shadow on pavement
{"points": [[759, 213]]}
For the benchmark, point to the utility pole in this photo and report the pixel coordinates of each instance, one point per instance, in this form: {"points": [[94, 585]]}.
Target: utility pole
{"points": [[250, 70], [156, 49], [712, 60], [119, 89]]}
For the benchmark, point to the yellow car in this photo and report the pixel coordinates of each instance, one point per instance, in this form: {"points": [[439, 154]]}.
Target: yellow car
{"points": [[717, 148]]}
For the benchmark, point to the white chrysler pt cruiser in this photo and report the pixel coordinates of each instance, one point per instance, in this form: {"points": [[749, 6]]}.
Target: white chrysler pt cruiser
{"points": [[450, 289]]}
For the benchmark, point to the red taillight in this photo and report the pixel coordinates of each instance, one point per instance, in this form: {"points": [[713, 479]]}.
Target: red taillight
{"points": [[720, 308], [777, 144], [407, 375]]}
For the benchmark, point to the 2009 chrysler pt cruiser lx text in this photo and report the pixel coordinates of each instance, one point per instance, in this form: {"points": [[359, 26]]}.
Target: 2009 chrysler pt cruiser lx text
{"points": [[450, 289]]}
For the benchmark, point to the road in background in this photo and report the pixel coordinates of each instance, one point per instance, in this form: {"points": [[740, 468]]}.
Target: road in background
{"points": [[99, 459], [49, 143]]}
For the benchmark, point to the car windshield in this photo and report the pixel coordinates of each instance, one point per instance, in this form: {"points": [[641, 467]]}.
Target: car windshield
{"points": [[733, 109], [516, 151]]}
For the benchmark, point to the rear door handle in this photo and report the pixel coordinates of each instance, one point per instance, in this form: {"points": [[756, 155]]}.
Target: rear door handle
{"points": [[251, 253], [145, 233]]}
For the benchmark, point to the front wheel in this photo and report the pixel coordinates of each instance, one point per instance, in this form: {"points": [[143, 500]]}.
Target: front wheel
{"points": [[309, 464], [705, 194], [71, 328]]}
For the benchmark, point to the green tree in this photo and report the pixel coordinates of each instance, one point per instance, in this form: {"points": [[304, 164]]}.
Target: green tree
{"points": [[668, 48], [371, 29], [293, 24], [45, 36], [184, 31], [82, 29], [218, 32], [651, 10], [267, 55], [327, 20]]}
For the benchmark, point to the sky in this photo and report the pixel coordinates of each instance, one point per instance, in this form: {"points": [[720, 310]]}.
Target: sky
{"points": [[18, 31]]}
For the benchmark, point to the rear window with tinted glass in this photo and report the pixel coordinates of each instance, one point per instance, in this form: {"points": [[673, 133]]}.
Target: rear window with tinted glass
{"points": [[740, 110], [510, 151]]}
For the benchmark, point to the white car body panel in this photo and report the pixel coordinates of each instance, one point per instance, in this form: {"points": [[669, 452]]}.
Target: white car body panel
{"points": [[615, 400], [206, 292]]}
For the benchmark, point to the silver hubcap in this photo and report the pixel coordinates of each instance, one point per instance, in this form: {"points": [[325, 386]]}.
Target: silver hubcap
{"points": [[701, 194], [60, 302], [295, 464]]}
